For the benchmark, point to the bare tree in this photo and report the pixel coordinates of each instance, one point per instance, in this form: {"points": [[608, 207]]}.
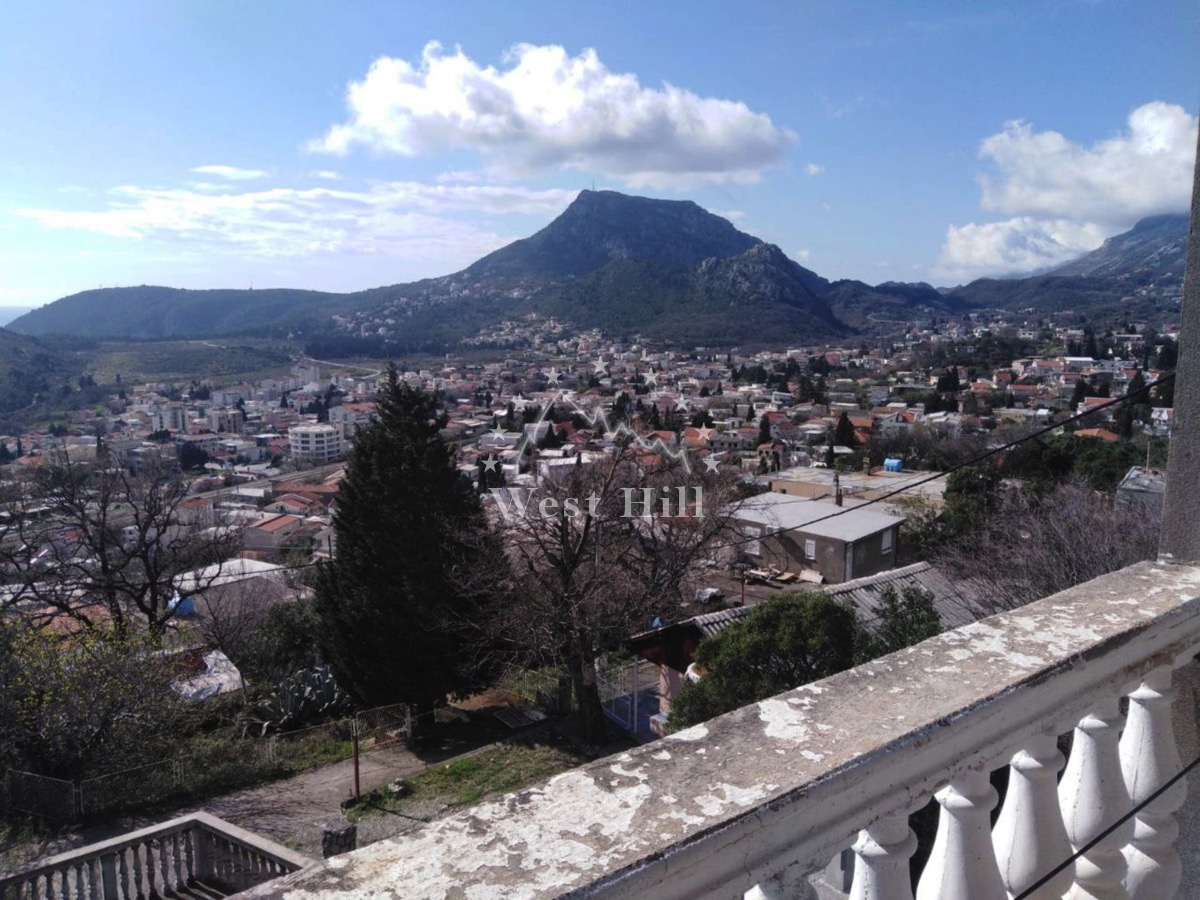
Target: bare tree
{"points": [[1031, 547], [229, 615], [600, 553], [84, 537]]}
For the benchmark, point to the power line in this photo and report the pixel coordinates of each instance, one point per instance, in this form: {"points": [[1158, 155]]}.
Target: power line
{"points": [[1033, 888]]}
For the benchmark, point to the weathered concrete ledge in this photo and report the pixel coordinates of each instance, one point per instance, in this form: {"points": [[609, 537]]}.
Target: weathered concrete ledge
{"points": [[789, 781]]}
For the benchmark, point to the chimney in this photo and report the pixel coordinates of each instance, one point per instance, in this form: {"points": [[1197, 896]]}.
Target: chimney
{"points": [[837, 488]]}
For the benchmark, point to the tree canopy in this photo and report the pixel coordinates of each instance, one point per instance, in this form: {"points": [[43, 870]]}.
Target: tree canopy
{"points": [[788, 641], [796, 638]]}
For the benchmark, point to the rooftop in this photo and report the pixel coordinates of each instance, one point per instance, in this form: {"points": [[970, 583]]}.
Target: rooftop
{"points": [[816, 517]]}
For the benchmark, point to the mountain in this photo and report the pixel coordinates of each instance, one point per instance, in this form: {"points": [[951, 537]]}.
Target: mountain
{"points": [[8, 313], [665, 268], [158, 312], [31, 370], [759, 296], [602, 226], [1136, 274], [1154, 247], [863, 306]]}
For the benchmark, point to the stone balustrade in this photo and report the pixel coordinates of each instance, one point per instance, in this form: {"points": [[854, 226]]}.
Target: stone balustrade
{"points": [[751, 803], [170, 859]]}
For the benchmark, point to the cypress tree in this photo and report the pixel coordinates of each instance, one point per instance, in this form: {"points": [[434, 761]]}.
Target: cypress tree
{"points": [[392, 603], [843, 434]]}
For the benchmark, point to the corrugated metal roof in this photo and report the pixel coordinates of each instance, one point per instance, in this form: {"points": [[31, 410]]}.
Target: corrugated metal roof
{"points": [[955, 607], [714, 622]]}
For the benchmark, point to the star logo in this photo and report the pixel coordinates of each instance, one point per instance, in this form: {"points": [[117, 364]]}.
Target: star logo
{"points": [[601, 367], [651, 379], [595, 417], [704, 431], [682, 403], [710, 463], [489, 463]]}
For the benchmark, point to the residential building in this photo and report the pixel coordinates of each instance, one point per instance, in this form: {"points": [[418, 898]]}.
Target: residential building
{"points": [[317, 444], [838, 543], [271, 533]]}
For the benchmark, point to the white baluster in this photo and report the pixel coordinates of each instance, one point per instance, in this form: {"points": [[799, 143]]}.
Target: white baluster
{"points": [[962, 863], [1149, 759], [1029, 837], [1092, 796], [881, 860], [790, 884]]}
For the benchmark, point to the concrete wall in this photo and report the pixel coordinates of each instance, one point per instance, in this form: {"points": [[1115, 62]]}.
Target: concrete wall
{"points": [[869, 558], [786, 551]]}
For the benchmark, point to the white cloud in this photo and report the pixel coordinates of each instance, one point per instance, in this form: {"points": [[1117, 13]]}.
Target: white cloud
{"points": [[233, 173], [1014, 246], [437, 225], [813, 169], [1142, 172], [326, 174], [460, 176], [1064, 199], [547, 109]]}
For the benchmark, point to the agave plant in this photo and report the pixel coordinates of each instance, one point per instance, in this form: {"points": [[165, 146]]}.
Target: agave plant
{"points": [[310, 694]]}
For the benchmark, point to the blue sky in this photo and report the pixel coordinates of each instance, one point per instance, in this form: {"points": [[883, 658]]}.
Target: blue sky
{"points": [[346, 146]]}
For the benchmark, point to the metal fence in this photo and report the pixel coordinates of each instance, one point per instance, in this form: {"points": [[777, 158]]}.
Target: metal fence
{"points": [[629, 694], [40, 795], [153, 782], [383, 726], [212, 767]]}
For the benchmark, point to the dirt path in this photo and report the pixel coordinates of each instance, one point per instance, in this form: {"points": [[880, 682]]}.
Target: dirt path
{"points": [[294, 810]]}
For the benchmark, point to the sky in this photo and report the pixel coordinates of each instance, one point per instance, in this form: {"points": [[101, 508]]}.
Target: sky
{"points": [[287, 143]]}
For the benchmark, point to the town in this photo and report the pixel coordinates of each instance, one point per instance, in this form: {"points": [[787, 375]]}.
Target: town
{"points": [[686, 451]]}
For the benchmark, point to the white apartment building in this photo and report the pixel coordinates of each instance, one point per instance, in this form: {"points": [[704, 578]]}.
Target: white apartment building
{"points": [[317, 443], [169, 416]]}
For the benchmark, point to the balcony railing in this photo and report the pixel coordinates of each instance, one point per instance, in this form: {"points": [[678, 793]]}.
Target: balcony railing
{"points": [[753, 802], [197, 855]]}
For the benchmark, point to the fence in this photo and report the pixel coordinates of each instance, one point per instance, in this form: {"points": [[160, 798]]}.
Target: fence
{"points": [[39, 795], [383, 726], [547, 689], [214, 765], [629, 694]]}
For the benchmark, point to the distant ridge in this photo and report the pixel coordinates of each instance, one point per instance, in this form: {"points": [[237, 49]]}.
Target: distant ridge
{"points": [[1156, 246], [631, 265], [666, 268], [1136, 273]]}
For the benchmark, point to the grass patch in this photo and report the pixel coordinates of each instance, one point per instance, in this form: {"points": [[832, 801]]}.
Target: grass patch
{"points": [[217, 359], [469, 780]]}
